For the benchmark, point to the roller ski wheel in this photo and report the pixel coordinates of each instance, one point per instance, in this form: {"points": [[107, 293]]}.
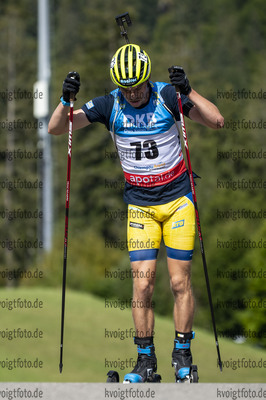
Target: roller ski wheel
{"points": [[194, 374], [187, 375], [135, 378], [113, 376]]}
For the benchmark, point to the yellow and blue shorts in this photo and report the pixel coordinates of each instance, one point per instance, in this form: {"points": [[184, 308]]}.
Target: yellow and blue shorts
{"points": [[174, 222]]}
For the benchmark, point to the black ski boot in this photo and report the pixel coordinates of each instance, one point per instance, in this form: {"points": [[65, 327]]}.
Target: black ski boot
{"points": [[144, 370], [182, 359]]}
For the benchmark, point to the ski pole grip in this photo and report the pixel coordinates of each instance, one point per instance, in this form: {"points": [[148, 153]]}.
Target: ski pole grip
{"points": [[123, 18], [72, 96], [170, 70]]}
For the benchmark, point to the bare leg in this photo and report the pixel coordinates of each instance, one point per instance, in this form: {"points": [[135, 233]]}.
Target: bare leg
{"points": [[143, 286], [180, 273]]}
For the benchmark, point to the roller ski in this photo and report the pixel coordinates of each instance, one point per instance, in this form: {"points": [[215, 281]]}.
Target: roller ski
{"points": [[146, 367], [113, 376], [185, 372]]}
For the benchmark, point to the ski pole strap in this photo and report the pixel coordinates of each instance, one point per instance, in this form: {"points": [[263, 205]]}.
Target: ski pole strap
{"points": [[65, 103]]}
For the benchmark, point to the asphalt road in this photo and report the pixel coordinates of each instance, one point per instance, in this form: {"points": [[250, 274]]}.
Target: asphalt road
{"points": [[157, 391]]}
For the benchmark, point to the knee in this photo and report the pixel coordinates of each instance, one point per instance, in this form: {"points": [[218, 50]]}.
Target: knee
{"points": [[143, 288], [180, 285]]}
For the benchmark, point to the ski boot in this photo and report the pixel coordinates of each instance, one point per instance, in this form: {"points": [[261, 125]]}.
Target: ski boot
{"points": [[144, 370], [182, 359]]}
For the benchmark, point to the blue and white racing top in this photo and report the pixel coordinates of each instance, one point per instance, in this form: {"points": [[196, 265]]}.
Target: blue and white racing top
{"points": [[147, 142]]}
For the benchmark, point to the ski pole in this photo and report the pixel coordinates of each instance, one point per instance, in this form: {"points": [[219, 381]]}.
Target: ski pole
{"points": [[70, 131], [183, 127], [121, 20]]}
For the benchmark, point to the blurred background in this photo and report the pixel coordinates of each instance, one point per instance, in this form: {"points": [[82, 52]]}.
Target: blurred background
{"points": [[221, 46]]}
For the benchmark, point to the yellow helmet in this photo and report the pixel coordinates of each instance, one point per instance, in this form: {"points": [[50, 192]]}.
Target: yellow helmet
{"points": [[130, 66]]}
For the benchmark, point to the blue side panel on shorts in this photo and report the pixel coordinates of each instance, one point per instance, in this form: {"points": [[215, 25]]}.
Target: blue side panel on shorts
{"points": [[190, 197], [140, 255], [184, 255]]}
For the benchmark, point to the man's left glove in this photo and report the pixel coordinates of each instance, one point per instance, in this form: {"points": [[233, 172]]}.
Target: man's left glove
{"points": [[178, 78], [71, 85]]}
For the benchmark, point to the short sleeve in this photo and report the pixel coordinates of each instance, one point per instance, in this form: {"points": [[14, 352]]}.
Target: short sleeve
{"points": [[168, 93], [99, 109]]}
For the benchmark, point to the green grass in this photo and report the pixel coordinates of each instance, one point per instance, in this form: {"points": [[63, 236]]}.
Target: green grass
{"points": [[86, 349]]}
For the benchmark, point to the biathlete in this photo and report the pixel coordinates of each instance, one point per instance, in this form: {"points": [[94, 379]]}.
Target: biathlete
{"points": [[140, 115]]}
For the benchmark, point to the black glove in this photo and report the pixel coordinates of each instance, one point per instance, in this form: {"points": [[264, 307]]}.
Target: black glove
{"points": [[178, 78], [71, 85]]}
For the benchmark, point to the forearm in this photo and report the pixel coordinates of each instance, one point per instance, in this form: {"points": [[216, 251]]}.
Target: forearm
{"points": [[205, 112], [58, 123]]}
